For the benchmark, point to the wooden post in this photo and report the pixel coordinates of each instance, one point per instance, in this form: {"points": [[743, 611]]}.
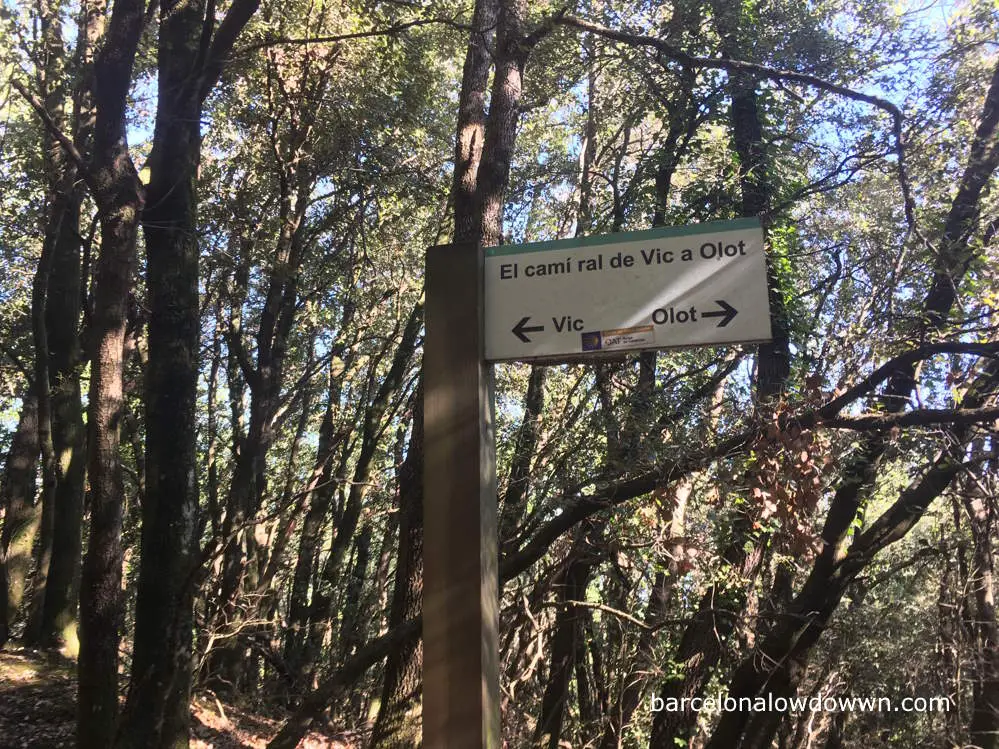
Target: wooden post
{"points": [[461, 586]]}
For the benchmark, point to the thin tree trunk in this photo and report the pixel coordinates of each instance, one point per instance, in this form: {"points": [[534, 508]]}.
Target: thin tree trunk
{"points": [[239, 568], [635, 681], [984, 731], [52, 85], [319, 498], [56, 308], [351, 623], [21, 513], [525, 444], [777, 665], [119, 196], [398, 724], [702, 643], [564, 643], [68, 443]]}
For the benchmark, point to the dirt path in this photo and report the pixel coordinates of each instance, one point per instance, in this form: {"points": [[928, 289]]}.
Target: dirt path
{"points": [[38, 710]]}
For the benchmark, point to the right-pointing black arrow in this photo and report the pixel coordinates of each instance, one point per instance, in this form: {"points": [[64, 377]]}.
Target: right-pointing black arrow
{"points": [[520, 328], [726, 313]]}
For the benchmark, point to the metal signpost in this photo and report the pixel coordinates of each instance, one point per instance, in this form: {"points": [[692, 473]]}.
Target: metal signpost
{"points": [[571, 299]]}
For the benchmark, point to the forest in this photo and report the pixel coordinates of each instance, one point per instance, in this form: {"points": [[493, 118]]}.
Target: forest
{"points": [[214, 221]]}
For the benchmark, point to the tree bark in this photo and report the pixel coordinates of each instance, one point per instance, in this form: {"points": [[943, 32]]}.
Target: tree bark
{"points": [[52, 86], [501, 126], [352, 623], [248, 483], [525, 444], [471, 126], [635, 681], [774, 358], [984, 730], [156, 709], [119, 196], [777, 665], [21, 513], [374, 425], [320, 496], [398, 723], [702, 643], [56, 306], [564, 643]]}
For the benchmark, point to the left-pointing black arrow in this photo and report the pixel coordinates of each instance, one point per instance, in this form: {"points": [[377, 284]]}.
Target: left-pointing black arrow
{"points": [[520, 328], [726, 313]]}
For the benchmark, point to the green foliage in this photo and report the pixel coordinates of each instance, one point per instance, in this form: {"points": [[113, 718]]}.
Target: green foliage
{"points": [[325, 173]]}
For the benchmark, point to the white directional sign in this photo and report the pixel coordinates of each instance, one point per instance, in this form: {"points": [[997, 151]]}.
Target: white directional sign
{"points": [[682, 286]]}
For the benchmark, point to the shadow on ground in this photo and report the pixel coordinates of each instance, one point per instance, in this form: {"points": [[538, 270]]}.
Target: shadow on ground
{"points": [[37, 700], [38, 710]]}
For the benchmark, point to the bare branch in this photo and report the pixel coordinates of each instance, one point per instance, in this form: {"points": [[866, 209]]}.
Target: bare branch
{"points": [[387, 31], [612, 491], [922, 417], [64, 140], [764, 71], [604, 608], [886, 370], [230, 28], [323, 696]]}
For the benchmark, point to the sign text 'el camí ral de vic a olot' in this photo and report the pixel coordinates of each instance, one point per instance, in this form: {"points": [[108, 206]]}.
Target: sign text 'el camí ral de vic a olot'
{"points": [[683, 286]]}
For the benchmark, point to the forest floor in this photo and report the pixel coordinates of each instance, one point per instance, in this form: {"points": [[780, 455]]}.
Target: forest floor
{"points": [[38, 710]]}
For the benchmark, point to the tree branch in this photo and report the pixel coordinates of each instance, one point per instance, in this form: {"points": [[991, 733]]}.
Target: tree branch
{"points": [[388, 30], [321, 698], [615, 491], [902, 361], [922, 417], [230, 28], [605, 609], [64, 140], [764, 71]]}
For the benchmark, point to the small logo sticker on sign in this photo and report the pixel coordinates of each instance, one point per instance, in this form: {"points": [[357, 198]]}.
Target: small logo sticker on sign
{"points": [[591, 341], [642, 335]]}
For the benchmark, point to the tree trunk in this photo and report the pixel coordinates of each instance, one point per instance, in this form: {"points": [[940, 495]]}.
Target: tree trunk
{"points": [[398, 723], [984, 730], [246, 490], [471, 128], [319, 498], [119, 196], [501, 126], [774, 358], [156, 709], [373, 427], [56, 306], [703, 642], [21, 513], [778, 664], [525, 444], [68, 443], [635, 681], [52, 85], [352, 624], [564, 643]]}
